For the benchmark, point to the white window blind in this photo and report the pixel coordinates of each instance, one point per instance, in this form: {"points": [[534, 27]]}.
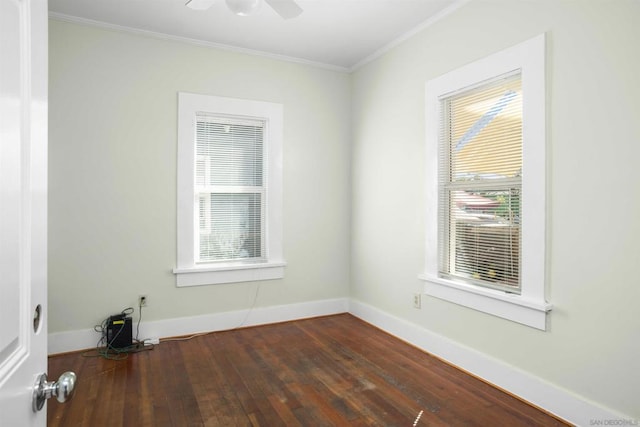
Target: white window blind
{"points": [[480, 184], [230, 189]]}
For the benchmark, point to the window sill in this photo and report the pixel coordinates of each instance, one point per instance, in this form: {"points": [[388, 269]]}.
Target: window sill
{"points": [[228, 273], [517, 308]]}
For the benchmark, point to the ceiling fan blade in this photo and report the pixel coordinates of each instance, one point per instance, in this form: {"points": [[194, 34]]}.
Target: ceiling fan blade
{"points": [[286, 8], [199, 4]]}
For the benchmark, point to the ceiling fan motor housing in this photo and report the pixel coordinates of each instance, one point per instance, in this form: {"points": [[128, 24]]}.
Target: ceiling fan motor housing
{"points": [[244, 7]]}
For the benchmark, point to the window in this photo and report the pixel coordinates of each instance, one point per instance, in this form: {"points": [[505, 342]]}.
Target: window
{"points": [[486, 185], [479, 186], [229, 190]]}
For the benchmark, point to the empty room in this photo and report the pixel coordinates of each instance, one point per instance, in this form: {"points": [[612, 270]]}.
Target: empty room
{"points": [[320, 212]]}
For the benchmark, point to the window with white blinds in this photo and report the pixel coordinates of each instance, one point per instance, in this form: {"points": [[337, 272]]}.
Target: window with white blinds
{"points": [[229, 199], [230, 191], [480, 176], [485, 186]]}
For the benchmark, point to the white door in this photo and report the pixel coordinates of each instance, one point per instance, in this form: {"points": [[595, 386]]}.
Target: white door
{"points": [[23, 209]]}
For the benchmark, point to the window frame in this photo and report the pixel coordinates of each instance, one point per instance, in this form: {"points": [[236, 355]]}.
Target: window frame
{"points": [[529, 307], [187, 271]]}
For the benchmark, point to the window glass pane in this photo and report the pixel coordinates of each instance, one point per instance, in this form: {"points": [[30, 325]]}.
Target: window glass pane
{"points": [[485, 131], [230, 226], [485, 229], [229, 153]]}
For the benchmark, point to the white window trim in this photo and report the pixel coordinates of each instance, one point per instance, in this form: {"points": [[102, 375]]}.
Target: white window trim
{"points": [[530, 307], [187, 272]]}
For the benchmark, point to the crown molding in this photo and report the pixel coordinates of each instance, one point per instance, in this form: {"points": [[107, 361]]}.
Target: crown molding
{"points": [[195, 42], [429, 22], [229, 48]]}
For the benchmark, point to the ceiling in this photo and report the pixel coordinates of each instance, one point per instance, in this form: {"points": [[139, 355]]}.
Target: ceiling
{"points": [[339, 34]]}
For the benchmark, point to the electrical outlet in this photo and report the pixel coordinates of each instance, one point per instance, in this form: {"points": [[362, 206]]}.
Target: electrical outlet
{"points": [[142, 301], [417, 301]]}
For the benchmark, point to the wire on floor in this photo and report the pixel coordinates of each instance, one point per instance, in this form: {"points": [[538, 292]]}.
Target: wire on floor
{"points": [[107, 351], [241, 324], [104, 347]]}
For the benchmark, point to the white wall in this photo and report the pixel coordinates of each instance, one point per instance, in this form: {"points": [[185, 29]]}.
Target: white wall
{"points": [[591, 348], [112, 194]]}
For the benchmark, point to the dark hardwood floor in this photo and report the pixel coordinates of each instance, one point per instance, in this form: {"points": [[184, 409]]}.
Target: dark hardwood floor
{"points": [[327, 371]]}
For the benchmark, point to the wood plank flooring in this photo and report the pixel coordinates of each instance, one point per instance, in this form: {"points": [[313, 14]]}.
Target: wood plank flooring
{"points": [[326, 371]]}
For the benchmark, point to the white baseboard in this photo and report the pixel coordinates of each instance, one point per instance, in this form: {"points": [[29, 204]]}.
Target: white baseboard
{"points": [[551, 398], [62, 342]]}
